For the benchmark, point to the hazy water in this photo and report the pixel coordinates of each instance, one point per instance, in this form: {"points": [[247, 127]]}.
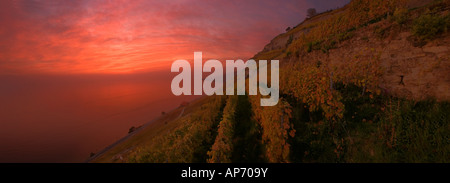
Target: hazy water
{"points": [[65, 118]]}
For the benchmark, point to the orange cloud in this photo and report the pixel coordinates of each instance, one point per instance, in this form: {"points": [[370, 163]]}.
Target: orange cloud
{"points": [[134, 36]]}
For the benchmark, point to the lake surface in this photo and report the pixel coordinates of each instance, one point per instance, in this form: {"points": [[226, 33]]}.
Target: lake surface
{"points": [[55, 118]]}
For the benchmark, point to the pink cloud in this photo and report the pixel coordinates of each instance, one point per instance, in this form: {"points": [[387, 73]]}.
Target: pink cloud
{"points": [[131, 36]]}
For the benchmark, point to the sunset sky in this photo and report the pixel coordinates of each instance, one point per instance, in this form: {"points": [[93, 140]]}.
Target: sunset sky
{"points": [[129, 36]]}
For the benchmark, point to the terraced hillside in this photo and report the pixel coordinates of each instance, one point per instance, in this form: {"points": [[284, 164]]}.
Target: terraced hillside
{"points": [[365, 83]]}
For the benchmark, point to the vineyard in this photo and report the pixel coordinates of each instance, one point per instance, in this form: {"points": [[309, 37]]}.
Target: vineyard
{"points": [[190, 141], [328, 111], [222, 148]]}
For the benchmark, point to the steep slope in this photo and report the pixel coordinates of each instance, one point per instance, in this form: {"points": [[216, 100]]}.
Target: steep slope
{"points": [[365, 83], [412, 68], [362, 84]]}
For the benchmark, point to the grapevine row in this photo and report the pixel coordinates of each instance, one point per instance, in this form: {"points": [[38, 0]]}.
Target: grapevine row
{"points": [[276, 128], [186, 143], [222, 148]]}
